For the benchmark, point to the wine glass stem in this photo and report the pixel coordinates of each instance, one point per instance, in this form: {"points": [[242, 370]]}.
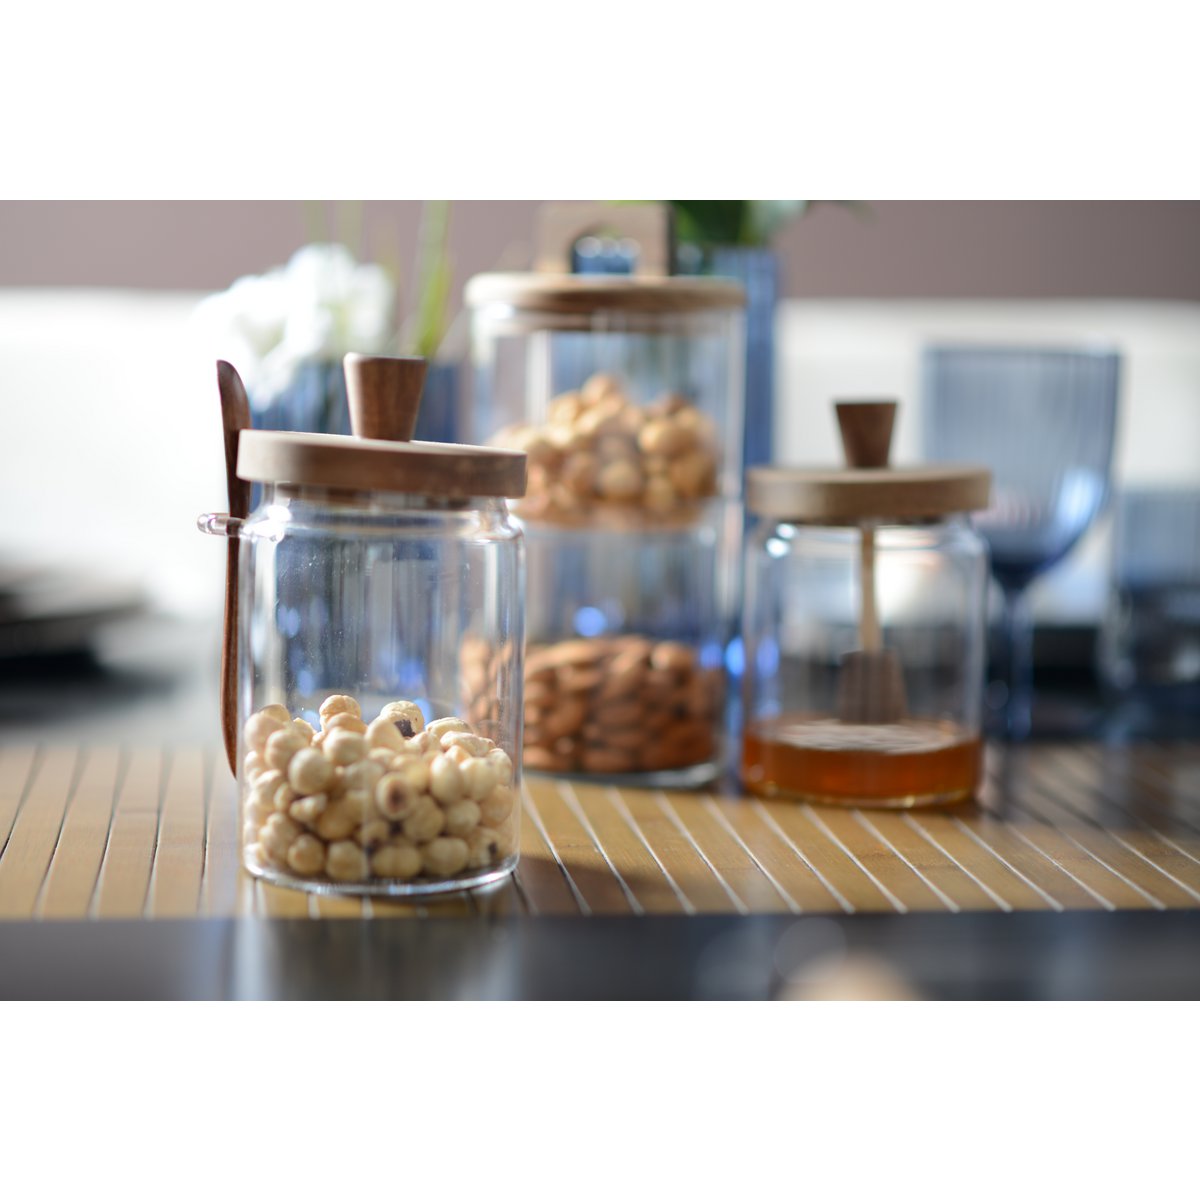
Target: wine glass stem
{"points": [[1018, 637]]}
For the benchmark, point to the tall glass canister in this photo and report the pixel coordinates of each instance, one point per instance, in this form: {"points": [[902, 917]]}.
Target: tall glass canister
{"points": [[625, 393]]}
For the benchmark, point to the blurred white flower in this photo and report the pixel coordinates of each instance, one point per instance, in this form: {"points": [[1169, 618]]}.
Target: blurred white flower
{"points": [[319, 306]]}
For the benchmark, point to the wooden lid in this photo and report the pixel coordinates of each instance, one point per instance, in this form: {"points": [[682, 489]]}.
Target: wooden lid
{"points": [[384, 395], [845, 497], [330, 460], [578, 295]]}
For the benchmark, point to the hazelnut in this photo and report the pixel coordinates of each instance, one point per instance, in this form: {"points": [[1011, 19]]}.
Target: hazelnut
{"points": [[344, 748], [483, 847], [306, 855], [309, 809], [395, 796], [445, 856], [479, 777], [309, 772], [425, 821], [401, 711], [282, 745], [331, 706], [461, 818], [445, 779], [446, 725], [347, 721], [396, 860], [346, 862], [473, 744], [258, 729]]}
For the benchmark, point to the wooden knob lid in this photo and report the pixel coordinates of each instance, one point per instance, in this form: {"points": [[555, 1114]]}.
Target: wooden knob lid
{"points": [[384, 395], [867, 489]]}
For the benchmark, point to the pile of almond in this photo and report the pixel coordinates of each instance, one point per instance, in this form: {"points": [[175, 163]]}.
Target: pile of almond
{"points": [[601, 458], [615, 706]]}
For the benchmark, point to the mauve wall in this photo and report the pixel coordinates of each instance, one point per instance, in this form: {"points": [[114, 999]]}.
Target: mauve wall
{"points": [[921, 249]]}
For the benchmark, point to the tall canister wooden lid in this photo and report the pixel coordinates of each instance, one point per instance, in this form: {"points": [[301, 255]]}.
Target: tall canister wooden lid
{"points": [[551, 293]]}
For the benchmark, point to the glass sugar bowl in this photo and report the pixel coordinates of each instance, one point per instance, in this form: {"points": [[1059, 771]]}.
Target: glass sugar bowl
{"points": [[379, 631], [625, 393], [865, 624]]}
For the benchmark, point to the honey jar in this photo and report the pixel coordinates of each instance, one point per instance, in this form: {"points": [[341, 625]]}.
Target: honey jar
{"points": [[864, 627]]}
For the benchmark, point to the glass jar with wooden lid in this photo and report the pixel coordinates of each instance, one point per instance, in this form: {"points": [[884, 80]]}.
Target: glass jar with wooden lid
{"points": [[625, 393], [373, 686], [864, 627]]}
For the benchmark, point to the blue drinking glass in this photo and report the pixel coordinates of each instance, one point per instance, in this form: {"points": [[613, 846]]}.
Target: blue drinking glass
{"points": [[1043, 420]]}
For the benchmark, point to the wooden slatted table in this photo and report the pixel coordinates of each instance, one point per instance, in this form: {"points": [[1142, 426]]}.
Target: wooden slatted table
{"points": [[105, 832]]}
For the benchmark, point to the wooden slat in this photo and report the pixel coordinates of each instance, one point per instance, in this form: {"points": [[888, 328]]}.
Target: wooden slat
{"points": [[225, 889], [1008, 889], [129, 856], [35, 832], [75, 868], [960, 891], [597, 887], [857, 838], [1051, 879], [541, 879], [748, 825], [840, 873], [1140, 857], [729, 858], [615, 829], [17, 765], [179, 852], [674, 846]]}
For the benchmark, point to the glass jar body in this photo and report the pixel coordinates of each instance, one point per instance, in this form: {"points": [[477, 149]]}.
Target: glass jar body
{"points": [[803, 616], [630, 419], [350, 603], [633, 424], [627, 636]]}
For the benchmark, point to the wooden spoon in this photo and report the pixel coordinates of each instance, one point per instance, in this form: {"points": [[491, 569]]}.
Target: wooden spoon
{"points": [[235, 416], [871, 681]]}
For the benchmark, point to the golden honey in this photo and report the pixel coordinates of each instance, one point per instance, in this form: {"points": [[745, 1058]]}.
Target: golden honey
{"points": [[909, 764]]}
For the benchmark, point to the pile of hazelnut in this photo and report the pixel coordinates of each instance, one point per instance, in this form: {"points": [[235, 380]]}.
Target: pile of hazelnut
{"points": [[392, 800], [601, 458], [613, 705]]}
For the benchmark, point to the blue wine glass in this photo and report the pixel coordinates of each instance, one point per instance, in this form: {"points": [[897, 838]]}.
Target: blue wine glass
{"points": [[1043, 420]]}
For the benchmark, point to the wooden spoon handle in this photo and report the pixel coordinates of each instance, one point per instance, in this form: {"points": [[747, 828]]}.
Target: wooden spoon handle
{"points": [[235, 416]]}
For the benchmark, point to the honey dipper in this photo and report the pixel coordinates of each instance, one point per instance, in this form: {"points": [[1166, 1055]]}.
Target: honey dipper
{"points": [[871, 681]]}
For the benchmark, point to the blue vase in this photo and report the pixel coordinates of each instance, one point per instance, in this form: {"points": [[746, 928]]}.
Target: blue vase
{"points": [[756, 268]]}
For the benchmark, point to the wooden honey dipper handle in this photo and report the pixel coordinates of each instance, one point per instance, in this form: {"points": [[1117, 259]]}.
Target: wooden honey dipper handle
{"points": [[871, 687], [866, 427]]}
